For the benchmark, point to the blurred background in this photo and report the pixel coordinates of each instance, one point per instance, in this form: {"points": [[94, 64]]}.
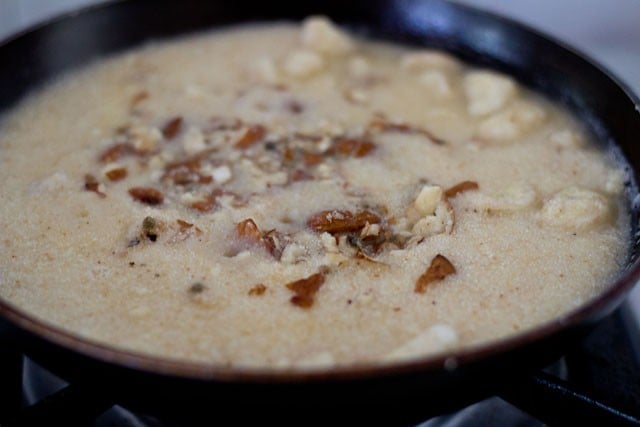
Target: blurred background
{"points": [[608, 31]]}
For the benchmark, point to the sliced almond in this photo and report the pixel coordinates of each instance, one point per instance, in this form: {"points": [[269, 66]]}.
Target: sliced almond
{"points": [[439, 268]]}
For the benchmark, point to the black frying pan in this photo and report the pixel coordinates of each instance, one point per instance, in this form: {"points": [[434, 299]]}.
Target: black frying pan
{"points": [[399, 393]]}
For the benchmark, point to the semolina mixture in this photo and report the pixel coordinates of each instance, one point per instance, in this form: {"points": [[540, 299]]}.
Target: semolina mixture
{"points": [[289, 196]]}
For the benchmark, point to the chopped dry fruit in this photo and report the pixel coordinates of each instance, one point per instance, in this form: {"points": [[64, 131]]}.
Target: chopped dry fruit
{"points": [[147, 195], [247, 231], [439, 268], [252, 135], [150, 228], [461, 187], [206, 204], [117, 174], [92, 184], [115, 152], [172, 128], [381, 125], [352, 147], [197, 288], [184, 225], [336, 221], [305, 290], [138, 98], [257, 290], [186, 172]]}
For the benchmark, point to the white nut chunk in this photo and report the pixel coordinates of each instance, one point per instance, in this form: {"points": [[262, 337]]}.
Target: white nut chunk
{"points": [[575, 209], [358, 67], [487, 92], [435, 214], [565, 139], [436, 82], [145, 139], [437, 338], [321, 35], [510, 124], [264, 69], [515, 197], [428, 59], [303, 63], [428, 199], [193, 141]]}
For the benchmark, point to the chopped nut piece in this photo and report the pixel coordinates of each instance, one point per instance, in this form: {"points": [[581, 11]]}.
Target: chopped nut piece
{"points": [[352, 147], [92, 184], [487, 91], [379, 124], [115, 152], [305, 290], [312, 159], [221, 174], [460, 188], [566, 139], [150, 228], [257, 290], [576, 209], [439, 268], [206, 204], [172, 128], [303, 63], [511, 123], [197, 288], [436, 82], [117, 174], [320, 34], [193, 141], [427, 60], [147, 195], [428, 199], [184, 225], [264, 69], [247, 231], [252, 135], [138, 98], [335, 221]]}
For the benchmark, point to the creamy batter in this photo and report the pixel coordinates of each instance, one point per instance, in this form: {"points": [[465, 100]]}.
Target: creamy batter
{"points": [[290, 196]]}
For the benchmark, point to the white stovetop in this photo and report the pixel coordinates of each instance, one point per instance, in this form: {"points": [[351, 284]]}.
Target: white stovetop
{"points": [[608, 31]]}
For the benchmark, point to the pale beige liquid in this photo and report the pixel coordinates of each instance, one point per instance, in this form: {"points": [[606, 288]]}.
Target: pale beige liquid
{"points": [[523, 254]]}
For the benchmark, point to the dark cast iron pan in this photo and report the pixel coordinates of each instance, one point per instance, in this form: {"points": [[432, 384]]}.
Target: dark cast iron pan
{"points": [[399, 393]]}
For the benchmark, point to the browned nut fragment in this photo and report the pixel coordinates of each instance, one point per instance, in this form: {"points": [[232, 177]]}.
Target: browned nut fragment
{"points": [[205, 205], [138, 98], [184, 225], [150, 228], [117, 174], [146, 195], [172, 128], [352, 147], [439, 268], [381, 125], [248, 231], [92, 184], [197, 288], [312, 159], [461, 187], [305, 290], [257, 290], [254, 134], [115, 152], [299, 175], [336, 221]]}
